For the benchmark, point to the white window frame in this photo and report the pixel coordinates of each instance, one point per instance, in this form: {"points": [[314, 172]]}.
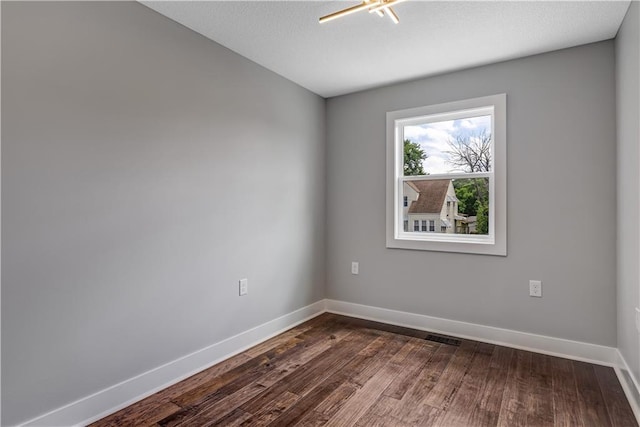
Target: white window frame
{"points": [[493, 244]]}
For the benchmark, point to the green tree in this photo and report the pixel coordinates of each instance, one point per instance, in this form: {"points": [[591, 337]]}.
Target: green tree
{"points": [[473, 200], [472, 153], [413, 157], [482, 224], [467, 194]]}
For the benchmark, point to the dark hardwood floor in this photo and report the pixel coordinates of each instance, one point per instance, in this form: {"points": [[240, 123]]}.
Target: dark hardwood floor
{"points": [[340, 371]]}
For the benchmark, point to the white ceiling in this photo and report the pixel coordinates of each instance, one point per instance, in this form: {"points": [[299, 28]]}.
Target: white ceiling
{"points": [[362, 50]]}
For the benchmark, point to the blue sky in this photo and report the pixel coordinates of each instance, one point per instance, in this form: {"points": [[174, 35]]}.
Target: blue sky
{"points": [[433, 138]]}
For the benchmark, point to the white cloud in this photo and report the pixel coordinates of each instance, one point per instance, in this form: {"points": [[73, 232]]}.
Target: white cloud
{"points": [[414, 133], [480, 123], [435, 148], [436, 165], [433, 139], [448, 126], [438, 135], [468, 124]]}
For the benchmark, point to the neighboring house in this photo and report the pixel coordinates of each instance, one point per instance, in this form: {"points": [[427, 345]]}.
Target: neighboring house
{"points": [[468, 225], [432, 206]]}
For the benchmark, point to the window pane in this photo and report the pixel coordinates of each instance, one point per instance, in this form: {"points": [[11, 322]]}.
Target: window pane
{"points": [[452, 206], [451, 146]]}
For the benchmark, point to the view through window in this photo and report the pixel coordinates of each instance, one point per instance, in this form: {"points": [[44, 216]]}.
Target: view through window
{"points": [[450, 147]]}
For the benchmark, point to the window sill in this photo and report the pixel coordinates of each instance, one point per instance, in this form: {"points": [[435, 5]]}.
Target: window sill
{"points": [[459, 244]]}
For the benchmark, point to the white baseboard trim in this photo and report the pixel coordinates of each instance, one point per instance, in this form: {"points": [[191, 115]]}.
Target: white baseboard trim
{"points": [[98, 405], [629, 384], [105, 402], [575, 350]]}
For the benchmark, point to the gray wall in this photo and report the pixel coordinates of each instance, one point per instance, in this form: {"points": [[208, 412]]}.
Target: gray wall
{"points": [[628, 127], [561, 201], [145, 169]]}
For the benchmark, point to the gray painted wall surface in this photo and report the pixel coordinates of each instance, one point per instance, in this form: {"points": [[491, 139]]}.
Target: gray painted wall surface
{"points": [[145, 170], [561, 201], [628, 127]]}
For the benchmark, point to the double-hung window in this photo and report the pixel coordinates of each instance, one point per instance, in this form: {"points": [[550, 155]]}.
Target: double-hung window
{"points": [[446, 167]]}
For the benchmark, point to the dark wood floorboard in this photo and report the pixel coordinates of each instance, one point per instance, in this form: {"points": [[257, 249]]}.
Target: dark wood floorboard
{"points": [[590, 399], [615, 401], [469, 393], [486, 410], [339, 371]]}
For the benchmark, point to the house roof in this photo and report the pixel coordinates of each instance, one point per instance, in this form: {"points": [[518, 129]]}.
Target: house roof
{"points": [[431, 195]]}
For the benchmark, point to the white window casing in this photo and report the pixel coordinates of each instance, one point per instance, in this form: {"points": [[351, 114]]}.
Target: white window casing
{"points": [[495, 243]]}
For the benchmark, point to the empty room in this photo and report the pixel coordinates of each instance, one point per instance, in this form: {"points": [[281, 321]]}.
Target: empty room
{"points": [[342, 213]]}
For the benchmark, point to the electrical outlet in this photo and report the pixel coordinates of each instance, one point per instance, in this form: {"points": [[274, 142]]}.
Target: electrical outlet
{"points": [[243, 286], [535, 288], [355, 267], [637, 311]]}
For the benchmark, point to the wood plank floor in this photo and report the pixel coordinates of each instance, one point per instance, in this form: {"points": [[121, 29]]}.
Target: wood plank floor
{"points": [[339, 371]]}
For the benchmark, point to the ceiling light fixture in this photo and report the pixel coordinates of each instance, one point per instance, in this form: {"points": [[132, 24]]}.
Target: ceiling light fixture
{"points": [[377, 6], [392, 15]]}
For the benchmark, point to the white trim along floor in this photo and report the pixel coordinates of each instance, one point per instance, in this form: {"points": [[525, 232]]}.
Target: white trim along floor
{"points": [[121, 395]]}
